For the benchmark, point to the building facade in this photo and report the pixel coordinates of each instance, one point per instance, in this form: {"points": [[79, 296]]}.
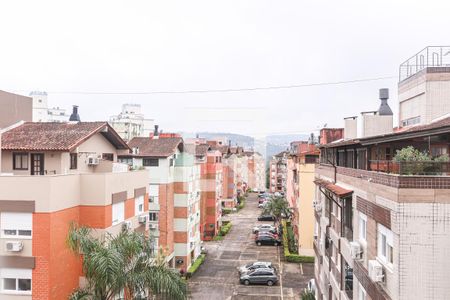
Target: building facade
{"points": [[278, 173], [53, 174], [131, 122]]}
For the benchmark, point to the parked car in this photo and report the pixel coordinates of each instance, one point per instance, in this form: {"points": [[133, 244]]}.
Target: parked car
{"points": [[268, 233], [260, 276], [267, 239], [254, 265], [262, 200], [266, 218], [268, 230], [262, 204], [263, 226], [311, 286]]}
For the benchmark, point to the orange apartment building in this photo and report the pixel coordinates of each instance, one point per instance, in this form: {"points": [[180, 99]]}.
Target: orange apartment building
{"points": [[53, 174], [174, 192]]}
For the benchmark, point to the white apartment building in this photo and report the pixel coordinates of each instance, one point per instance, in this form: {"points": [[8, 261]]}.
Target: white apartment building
{"points": [[131, 122]]}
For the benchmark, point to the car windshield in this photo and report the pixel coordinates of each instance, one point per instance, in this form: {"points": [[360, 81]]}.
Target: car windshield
{"points": [[249, 265]]}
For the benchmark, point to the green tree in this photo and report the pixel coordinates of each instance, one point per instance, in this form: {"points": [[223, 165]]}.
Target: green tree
{"points": [[279, 208], [123, 263]]}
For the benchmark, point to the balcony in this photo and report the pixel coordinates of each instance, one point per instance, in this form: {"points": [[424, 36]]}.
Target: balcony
{"points": [[411, 167]]}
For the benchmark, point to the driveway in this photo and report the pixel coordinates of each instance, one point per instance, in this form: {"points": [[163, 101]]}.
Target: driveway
{"points": [[218, 278]]}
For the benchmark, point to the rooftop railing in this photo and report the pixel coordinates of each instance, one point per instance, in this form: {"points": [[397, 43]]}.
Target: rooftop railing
{"points": [[433, 56]]}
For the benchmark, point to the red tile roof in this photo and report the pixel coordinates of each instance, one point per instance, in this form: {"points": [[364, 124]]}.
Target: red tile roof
{"points": [[202, 149], [56, 136], [335, 189], [161, 147]]}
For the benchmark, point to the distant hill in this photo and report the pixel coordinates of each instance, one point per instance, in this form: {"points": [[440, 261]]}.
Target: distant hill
{"points": [[236, 139], [286, 139]]}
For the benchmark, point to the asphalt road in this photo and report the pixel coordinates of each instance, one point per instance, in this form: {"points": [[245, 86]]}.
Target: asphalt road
{"points": [[218, 278]]}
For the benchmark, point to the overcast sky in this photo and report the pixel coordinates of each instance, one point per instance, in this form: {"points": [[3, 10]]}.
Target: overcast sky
{"points": [[146, 46]]}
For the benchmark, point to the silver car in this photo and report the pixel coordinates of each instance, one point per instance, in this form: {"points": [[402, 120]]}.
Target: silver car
{"points": [[260, 276], [253, 266]]}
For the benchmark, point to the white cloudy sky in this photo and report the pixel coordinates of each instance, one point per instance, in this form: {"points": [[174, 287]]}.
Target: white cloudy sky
{"points": [[143, 46]]}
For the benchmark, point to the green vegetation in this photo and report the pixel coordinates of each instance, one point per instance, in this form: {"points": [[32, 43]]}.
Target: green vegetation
{"points": [[291, 257], [241, 204], [415, 162], [123, 262], [226, 211], [307, 295], [279, 208], [226, 227], [197, 263]]}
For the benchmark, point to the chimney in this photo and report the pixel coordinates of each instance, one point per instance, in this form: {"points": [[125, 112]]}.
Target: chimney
{"points": [[384, 109], [74, 117], [378, 122], [155, 132], [350, 128]]}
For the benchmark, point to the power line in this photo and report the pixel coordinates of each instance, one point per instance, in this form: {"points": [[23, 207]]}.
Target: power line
{"points": [[281, 87]]}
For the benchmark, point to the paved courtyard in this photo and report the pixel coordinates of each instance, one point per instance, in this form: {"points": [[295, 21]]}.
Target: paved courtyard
{"points": [[218, 278]]}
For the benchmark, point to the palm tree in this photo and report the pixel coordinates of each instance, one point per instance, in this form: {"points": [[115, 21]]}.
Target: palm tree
{"points": [[124, 263], [279, 208]]}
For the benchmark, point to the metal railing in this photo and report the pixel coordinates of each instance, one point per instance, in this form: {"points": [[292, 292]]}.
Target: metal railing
{"points": [[410, 167], [433, 56]]}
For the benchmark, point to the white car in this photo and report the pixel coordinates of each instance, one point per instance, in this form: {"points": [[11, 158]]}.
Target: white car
{"points": [[266, 227], [262, 205], [254, 266]]}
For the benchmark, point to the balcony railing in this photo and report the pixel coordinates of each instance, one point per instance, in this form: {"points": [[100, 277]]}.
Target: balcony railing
{"points": [[410, 167]]}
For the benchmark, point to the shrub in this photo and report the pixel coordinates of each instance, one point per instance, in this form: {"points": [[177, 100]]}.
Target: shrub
{"points": [[291, 257], [307, 295], [411, 154], [226, 211], [225, 229], [197, 263], [218, 238]]}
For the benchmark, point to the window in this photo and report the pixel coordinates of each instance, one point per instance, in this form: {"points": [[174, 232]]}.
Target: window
{"points": [[150, 162], [171, 162], [118, 212], [73, 161], [20, 161], [128, 161], [385, 249], [17, 281], [17, 225], [153, 193], [361, 292], [108, 156], [362, 226], [153, 216], [139, 205]]}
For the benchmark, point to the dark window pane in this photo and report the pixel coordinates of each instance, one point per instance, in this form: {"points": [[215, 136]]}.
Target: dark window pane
{"points": [[108, 156], [24, 284], [9, 284], [150, 162], [10, 232], [25, 232], [73, 161]]}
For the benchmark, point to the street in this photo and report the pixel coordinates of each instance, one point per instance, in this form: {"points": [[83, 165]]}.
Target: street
{"points": [[218, 278]]}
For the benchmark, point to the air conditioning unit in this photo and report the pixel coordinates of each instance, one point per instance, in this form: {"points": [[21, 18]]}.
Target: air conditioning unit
{"points": [[92, 161], [375, 271], [356, 250], [142, 219], [126, 225], [14, 246]]}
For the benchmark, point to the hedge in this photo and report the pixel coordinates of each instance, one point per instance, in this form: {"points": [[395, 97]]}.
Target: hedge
{"points": [[226, 211], [291, 257], [225, 228], [197, 263]]}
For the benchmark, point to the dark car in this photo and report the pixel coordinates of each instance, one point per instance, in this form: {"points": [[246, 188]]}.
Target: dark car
{"points": [[266, 218], [267, 239], [260, 276]]}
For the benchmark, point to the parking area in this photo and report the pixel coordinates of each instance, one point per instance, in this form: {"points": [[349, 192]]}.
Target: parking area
{"points": [[218, 277]]}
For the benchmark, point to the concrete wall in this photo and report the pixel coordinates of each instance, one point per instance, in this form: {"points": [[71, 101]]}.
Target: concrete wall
{"points": [[14, 108], [305, 209]]}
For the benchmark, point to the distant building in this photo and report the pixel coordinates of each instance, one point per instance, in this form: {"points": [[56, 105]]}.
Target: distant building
{"points": [[424, 86], [131, 122], [278, 172], [14, 108], [41, 112]]}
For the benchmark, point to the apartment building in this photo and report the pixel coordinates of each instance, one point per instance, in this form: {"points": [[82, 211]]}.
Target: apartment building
{"points": [[256, 170], [278, 172], [424, 86], [174, 193], [300, 193], [229, 188], [53, 174], [131, 122], [42, 112], [381, 223], [14, 108]]}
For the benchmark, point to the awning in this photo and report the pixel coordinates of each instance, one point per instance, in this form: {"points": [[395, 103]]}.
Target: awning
{"points": [[333, 188]]}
